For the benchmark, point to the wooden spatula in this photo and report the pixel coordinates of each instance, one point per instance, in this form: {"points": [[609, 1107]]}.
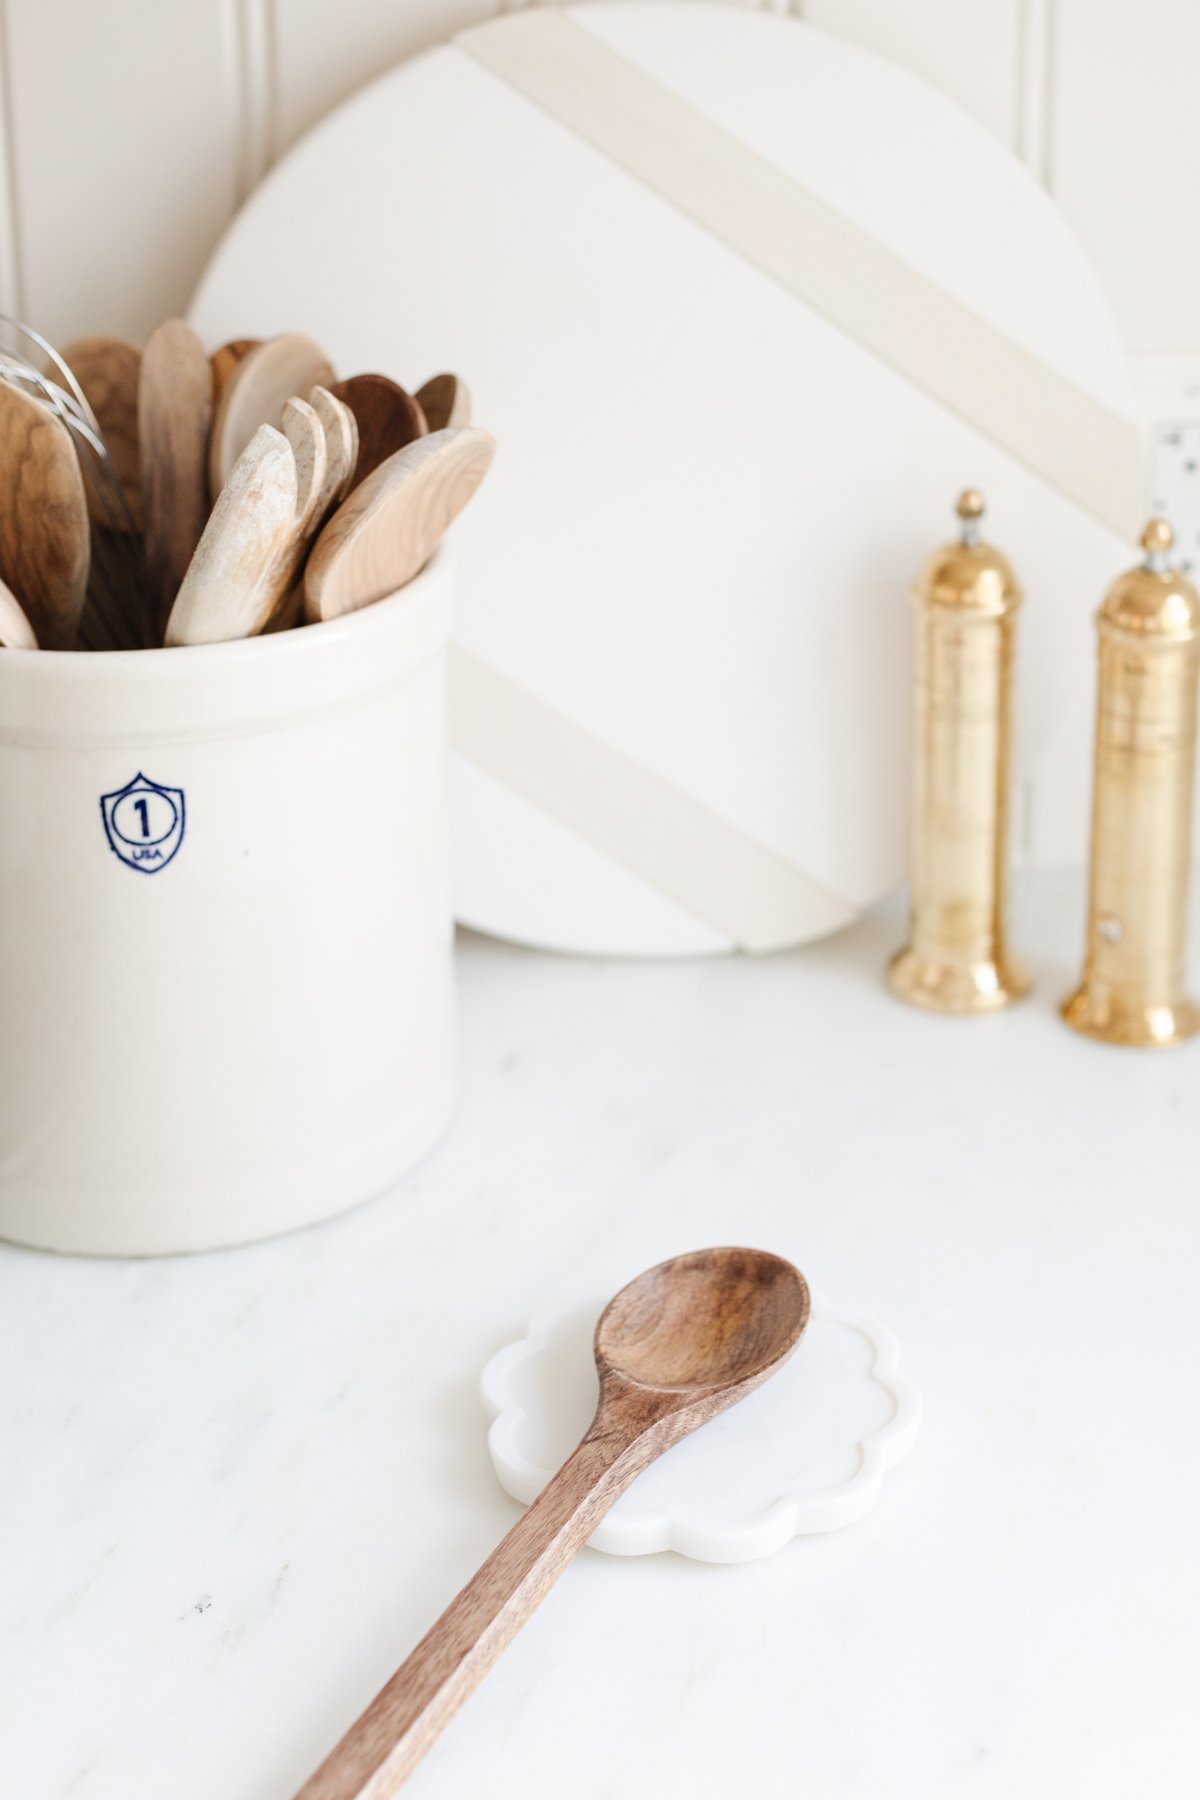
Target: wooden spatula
{"points": [[44, 541], [229, 589], [174, 412], [255, 394], [108, 370], [445, 401], [16, 633], [389, 527], [388, 418]]}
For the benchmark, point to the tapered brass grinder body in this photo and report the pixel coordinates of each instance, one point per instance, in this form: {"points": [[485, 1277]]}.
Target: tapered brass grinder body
{"points": [[966, 601], [1133, 979]]}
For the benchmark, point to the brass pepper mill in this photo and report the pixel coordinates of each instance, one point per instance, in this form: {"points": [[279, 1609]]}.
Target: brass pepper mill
{"points": [[1133, 978], [966, 602]]}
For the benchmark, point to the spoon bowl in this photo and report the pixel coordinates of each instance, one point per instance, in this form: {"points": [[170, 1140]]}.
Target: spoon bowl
{"points": [[713, 1318]]}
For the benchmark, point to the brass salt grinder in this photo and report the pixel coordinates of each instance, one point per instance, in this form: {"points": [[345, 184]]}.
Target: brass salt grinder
{"points": [[966, 601], [1133, 978]]}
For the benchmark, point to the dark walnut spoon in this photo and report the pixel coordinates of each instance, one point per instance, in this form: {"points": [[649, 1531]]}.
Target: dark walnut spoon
{"points": [[673, 1349]]}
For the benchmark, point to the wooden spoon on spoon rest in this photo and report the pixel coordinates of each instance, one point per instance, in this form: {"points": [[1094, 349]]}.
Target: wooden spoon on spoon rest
{"points": [[673, 1349]]}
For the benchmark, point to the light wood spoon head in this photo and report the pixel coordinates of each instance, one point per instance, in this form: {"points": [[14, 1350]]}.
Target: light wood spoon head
{"points": [[390, 526], [16, 633], [231, 586], [108, 370], [224, 361], [44, 535], [301, 426], [255, 393], [341, 450], [174, 410], [445, 401], [387, 417], [282, 597]]}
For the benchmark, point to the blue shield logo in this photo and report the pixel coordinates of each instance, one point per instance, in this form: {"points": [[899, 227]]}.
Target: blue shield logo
{"points": [[144, 823]]}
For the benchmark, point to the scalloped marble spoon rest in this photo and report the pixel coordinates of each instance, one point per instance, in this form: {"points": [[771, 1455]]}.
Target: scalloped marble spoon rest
{"points": [[805, 1453]]}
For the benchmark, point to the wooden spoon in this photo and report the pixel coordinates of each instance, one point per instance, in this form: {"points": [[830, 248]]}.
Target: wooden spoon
{"points": [[224, 361], [174, 410], [44, 541], [445, 401], [109, 370], [16, 633], [675, 1347], [336, 424], [230, 587], [255, 394], [305, 433], [282, 593], [389, 527], [388, 418], [341, 449]]}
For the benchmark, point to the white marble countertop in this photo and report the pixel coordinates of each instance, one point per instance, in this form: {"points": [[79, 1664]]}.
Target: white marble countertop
{"points": [[236, 1488]]}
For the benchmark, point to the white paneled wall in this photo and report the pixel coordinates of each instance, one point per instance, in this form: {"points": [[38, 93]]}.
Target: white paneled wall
{"points": [[1124, 161], [971, 49], [131, 129], [316, 66], [123, 151]]}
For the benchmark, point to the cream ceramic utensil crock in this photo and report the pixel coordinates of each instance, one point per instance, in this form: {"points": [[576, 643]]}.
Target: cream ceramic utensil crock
{"points": [[225, 957]]}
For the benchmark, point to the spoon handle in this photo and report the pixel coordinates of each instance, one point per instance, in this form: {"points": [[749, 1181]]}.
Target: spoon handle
{"points": [[385, 1744]]}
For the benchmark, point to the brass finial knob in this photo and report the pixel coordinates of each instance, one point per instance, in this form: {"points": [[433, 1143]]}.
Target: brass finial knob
{"points": [[1158, 537], [970, 510]]}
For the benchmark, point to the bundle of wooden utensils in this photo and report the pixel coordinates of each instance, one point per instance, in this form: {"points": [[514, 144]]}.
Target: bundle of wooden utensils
{"points": [[166, 496]]}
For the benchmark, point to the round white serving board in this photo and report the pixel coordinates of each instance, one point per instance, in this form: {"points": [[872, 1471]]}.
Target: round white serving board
{"points": [[709, 503]]}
